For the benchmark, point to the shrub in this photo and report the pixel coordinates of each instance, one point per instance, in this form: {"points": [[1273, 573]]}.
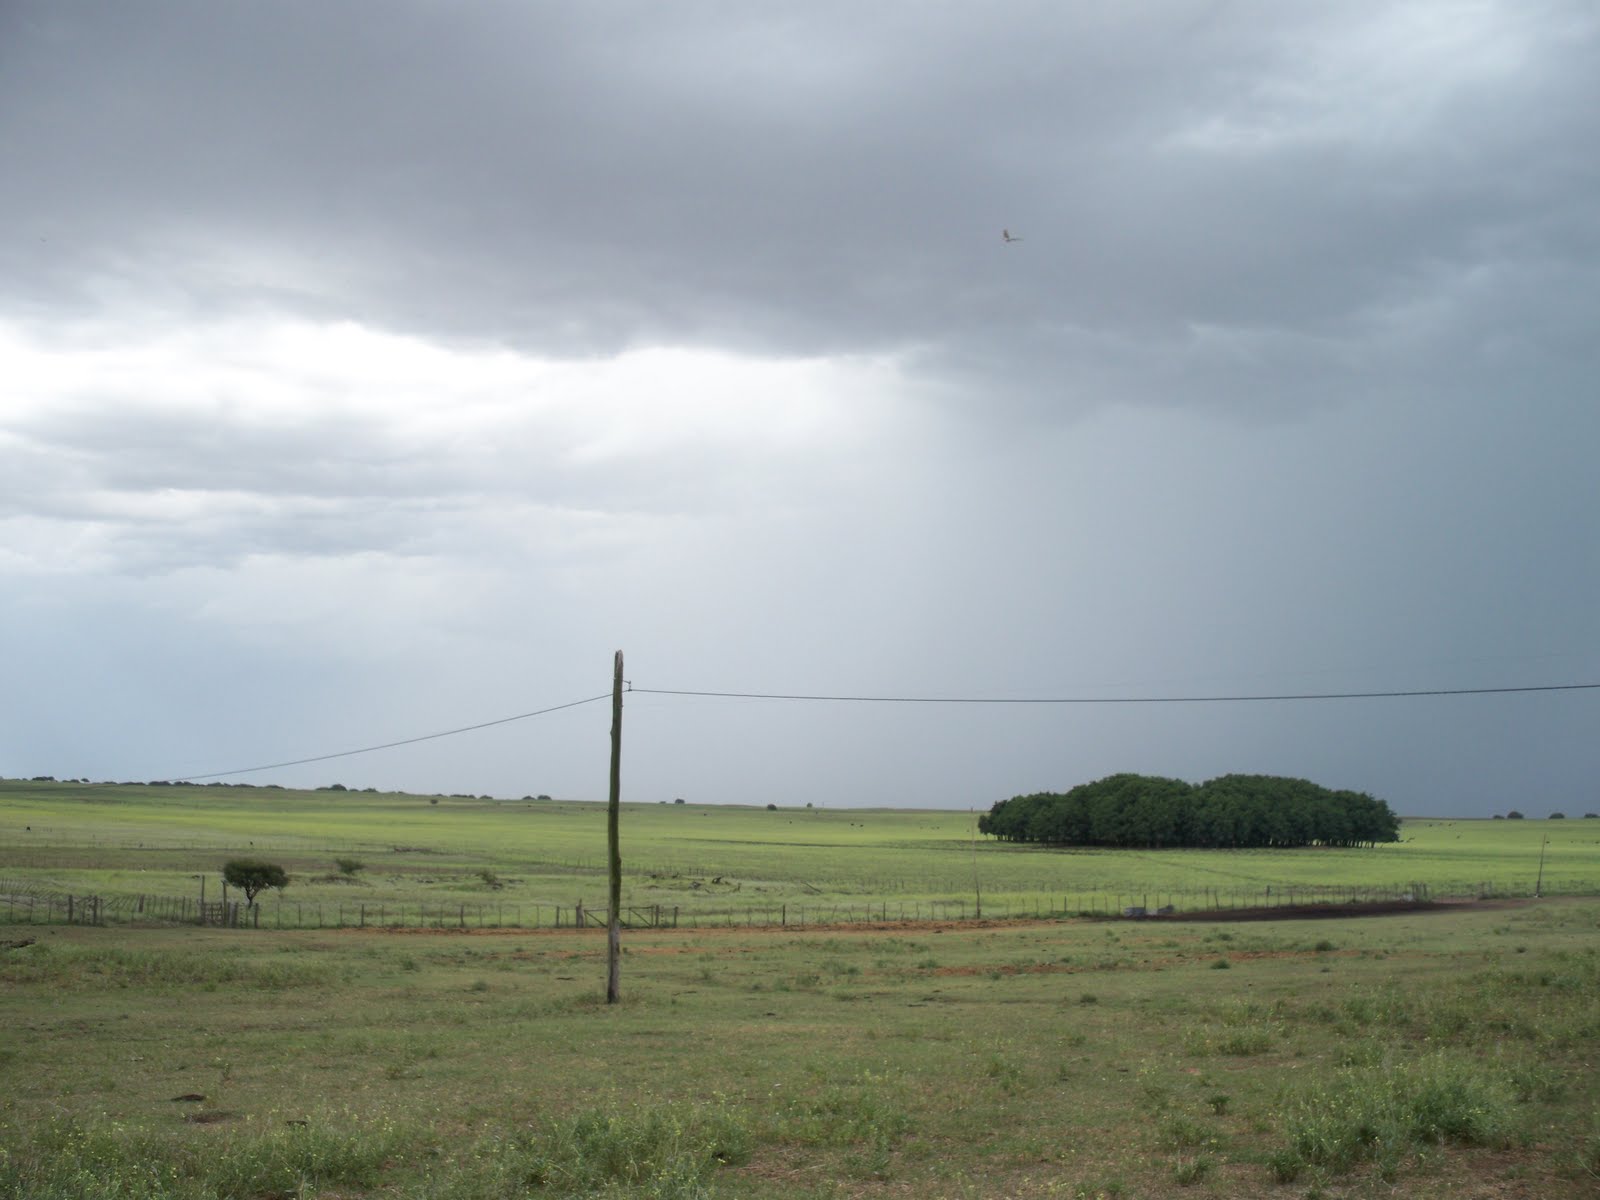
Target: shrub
{"points": [[349, 866], [1558, 816], [1513, 815]]}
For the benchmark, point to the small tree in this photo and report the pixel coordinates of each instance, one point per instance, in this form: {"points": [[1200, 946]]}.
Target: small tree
{"points": [[1558, 816], [252, 876], [349, 866], [1513, 815]]}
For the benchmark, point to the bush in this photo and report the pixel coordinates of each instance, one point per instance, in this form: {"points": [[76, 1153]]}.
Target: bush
{"points": [[1558, 816], [349, 866], [1513, 815]]}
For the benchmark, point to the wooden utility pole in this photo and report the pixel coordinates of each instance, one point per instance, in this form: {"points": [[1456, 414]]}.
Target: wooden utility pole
{"points": [[977, 884], [614, 852]]}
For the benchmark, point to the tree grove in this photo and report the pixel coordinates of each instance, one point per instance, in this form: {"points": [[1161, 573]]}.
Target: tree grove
{"points": [[1229, 812]]}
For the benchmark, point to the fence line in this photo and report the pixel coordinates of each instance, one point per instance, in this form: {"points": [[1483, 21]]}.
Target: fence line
{"points": [[28, 904]]}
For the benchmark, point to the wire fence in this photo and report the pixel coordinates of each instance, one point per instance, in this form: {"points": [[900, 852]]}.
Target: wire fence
{"points": [[27, 904]]}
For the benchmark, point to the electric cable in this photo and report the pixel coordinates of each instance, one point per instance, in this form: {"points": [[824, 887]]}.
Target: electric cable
{"points": [[427, 737], [1490, 691], [844, 699]]}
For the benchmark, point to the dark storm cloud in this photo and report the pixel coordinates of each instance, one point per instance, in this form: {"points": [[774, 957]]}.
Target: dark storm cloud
{"points": [[427, 347], [1220, 204]]}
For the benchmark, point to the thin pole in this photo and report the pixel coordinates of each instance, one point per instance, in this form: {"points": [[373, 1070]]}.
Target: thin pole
{"points": [[977, 885], [614, 852], [1538, 885]]}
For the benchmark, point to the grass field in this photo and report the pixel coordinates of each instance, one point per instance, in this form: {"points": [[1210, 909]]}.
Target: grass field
{"points": [[710, 863], [1441, 1055], [1447, 1054]]}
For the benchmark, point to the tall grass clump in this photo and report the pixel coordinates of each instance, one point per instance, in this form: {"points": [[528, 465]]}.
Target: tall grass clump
{"points": [[861, 1112], [93, 967], [1381, 1115], [70, 1160], [652, 1152]]}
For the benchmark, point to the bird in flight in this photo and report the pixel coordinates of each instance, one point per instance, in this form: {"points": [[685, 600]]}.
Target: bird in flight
{"points": [[1007, 234]]}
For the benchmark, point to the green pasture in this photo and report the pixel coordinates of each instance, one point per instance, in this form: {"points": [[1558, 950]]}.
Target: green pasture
{"points": [[1431, 1056], [709, 863]]}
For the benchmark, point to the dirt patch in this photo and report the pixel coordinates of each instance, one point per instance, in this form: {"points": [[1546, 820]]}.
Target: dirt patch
{"points": [[1312, 912]]}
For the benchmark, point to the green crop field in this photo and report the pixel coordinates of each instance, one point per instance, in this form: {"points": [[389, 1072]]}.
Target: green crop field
{"points": [[1450, 1053]]}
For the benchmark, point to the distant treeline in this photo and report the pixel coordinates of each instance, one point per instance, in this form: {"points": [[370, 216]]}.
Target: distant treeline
{"points": [[1230, 812]]}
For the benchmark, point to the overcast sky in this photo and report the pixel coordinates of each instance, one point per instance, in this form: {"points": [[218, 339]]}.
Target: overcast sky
{"points": [[373, 369]]}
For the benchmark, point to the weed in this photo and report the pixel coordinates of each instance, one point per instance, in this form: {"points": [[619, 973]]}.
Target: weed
{"points": [[865, 1111], [1107, 1189], [1191, 1171], [1380, 1115], [1187, 1133], [65, 1158]]}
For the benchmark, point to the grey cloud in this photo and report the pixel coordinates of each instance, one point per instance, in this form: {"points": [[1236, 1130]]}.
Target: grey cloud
{"points": [[1289, 382], [819, 181]]}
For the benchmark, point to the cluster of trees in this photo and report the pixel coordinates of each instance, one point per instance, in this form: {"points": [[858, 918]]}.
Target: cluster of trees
{"points": [[1230, 812]]}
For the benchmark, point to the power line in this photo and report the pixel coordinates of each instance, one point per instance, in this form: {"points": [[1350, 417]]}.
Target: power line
{"points": [[427, 737], [1492, 691], [840, 699]]}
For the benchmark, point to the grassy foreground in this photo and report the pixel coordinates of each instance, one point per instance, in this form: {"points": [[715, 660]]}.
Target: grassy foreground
{"points": [[1440, 1055]]}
